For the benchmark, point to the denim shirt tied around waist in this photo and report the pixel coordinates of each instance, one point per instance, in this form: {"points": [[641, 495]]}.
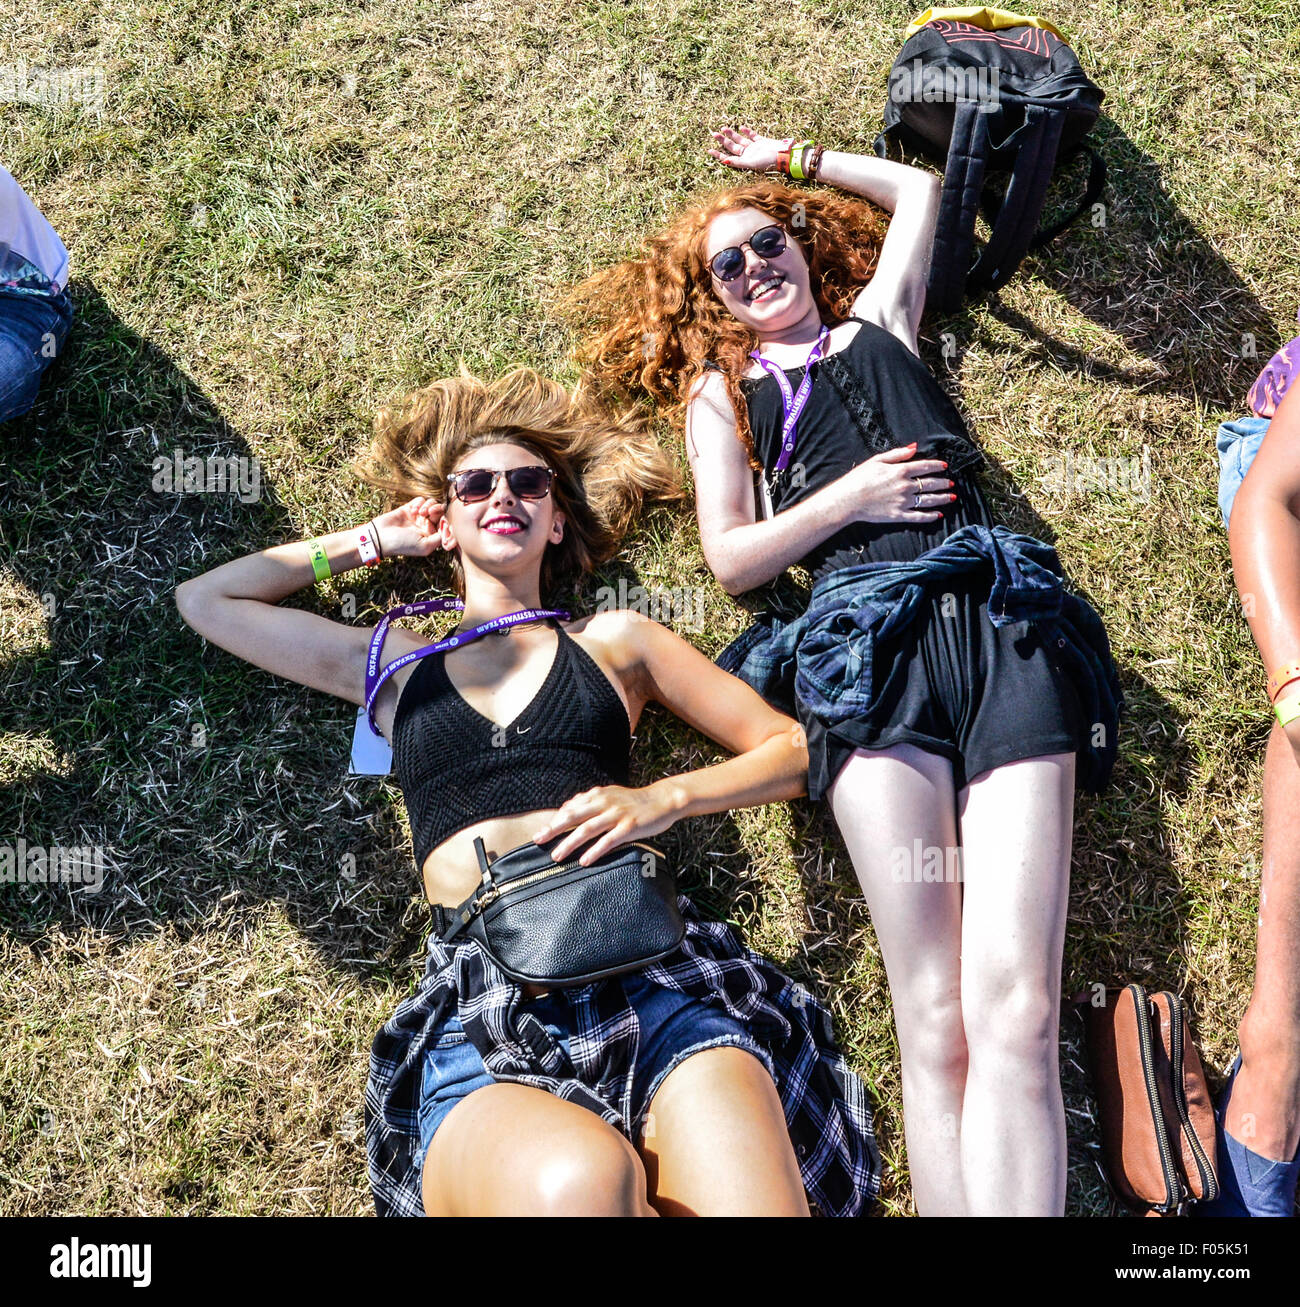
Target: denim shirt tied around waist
{"points": [[823, 659]]}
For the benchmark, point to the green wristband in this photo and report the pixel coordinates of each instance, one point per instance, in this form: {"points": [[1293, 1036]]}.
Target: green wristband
{"points": [[1287, 709], [320, 563]]}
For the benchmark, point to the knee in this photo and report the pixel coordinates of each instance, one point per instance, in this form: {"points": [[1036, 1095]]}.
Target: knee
{"points": [[591, 1173], [1011, 1018], [1263, 1038], [931, 1034]]}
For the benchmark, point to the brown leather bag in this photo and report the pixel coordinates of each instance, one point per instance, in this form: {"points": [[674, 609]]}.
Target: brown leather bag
{"points": [[1157, 1119]]}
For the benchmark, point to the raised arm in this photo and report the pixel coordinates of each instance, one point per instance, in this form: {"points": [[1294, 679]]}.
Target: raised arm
{"points": [[743, 552], [656, 665], [1265, 539], [895, 297], [236, 606]]}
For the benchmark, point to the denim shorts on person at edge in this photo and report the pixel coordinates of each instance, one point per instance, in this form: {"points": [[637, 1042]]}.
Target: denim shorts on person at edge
{"points": [[1238, 442], [673, 1026], [33, 329]]}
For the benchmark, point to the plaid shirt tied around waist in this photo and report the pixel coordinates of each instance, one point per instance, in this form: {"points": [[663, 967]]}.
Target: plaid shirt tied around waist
{"points": [[824, 658], [827, 1107]]}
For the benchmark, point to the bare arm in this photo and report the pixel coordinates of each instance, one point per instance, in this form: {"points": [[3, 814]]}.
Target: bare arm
{"points": [[236, 606], [743, 552], [771, 759], [1265, 540], [894, 298]]}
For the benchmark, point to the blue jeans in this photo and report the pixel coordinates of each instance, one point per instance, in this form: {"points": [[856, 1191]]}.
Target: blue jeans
{"points": [[33, 329], [1238, 443], [673, 1027]]}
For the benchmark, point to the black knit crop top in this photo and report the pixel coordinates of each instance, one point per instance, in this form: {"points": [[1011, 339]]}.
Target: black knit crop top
{"points": [[457, 767]]}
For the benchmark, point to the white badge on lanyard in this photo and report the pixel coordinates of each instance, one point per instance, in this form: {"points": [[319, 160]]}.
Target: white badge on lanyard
{"points": [[765, 492], [371, 753]]}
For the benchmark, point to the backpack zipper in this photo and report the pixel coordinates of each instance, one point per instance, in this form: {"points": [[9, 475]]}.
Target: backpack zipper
{"points": [[1209, 1181]]}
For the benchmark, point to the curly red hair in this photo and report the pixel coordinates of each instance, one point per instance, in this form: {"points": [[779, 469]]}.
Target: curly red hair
{"points": [[654, 320]]}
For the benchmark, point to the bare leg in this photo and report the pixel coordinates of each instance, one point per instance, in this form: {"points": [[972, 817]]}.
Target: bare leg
{"points": [[1017, 827], [716, 1142], [511, 1150], [1264, 1110], [896, 811]]}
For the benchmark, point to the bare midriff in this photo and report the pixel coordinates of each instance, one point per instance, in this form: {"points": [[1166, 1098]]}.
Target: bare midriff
{"points": [[451, 871]]}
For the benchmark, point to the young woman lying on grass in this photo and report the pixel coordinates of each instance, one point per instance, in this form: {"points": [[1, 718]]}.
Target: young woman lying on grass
{"points": [[1259, 1110], [947, 680], [491, 1097]]}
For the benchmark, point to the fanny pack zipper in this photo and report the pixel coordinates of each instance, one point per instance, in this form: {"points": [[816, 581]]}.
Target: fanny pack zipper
{"points": [[496, 891]]}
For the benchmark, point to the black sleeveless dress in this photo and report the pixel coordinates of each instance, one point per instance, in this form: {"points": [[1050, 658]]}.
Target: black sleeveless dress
{"points": [[977, 694]]}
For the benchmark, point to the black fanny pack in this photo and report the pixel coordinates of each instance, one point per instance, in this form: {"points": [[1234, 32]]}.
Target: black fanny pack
{"points": [[545, 922]]}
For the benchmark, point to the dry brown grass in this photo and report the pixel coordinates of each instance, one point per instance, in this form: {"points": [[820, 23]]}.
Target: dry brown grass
{"points": [[284, 218]]}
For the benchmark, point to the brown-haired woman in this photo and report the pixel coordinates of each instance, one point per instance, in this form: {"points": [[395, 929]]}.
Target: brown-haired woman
{"points": [[946, 680], [704, 1082]]}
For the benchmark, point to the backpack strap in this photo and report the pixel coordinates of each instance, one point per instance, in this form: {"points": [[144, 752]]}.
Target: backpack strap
{"points": [[954, 233], [1037, 139], [1096, 184], [881, 145]]}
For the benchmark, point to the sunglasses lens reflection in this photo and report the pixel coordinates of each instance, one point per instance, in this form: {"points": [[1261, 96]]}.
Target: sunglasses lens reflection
{"points": [[529, 482]]}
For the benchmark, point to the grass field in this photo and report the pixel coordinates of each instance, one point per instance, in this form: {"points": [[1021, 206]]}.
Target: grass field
{"points": [[285, 215]]}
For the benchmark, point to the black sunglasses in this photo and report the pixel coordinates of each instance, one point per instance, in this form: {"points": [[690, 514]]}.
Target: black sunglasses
{"points": [[475, 484], [766, 242]]}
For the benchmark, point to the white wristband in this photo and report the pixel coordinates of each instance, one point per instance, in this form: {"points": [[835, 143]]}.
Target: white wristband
{"points": [[367, 546]]}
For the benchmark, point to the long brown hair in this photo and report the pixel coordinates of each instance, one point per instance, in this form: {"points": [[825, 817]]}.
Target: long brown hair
{"points": [[654, 320], [606, 460]]}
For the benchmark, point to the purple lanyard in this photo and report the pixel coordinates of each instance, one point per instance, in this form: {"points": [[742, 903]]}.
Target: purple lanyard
{"points": [[793, 402], [376, 678]]}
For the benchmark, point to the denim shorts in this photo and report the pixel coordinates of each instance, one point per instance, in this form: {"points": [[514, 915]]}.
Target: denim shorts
{"points": [[1238, 442], [673, 1027], [33, 330]]}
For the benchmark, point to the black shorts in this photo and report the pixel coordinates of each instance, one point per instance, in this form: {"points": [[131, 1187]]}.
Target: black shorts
{"points": [[954, 684]]}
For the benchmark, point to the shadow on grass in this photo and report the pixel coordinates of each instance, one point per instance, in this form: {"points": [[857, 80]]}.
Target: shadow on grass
{"points": [[1150, 277], [205, 781]]}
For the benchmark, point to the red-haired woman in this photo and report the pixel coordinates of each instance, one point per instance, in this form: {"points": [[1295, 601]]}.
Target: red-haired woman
{"points": [[949, 684]]}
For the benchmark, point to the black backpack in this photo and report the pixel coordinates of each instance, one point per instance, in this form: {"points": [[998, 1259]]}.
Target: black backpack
{"points": [[983, 98]]}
